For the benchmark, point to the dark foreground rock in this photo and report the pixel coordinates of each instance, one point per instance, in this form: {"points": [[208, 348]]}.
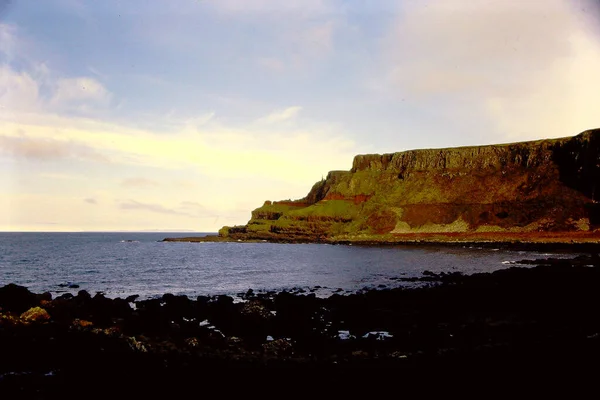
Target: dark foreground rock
{"points": [[540, 320]]}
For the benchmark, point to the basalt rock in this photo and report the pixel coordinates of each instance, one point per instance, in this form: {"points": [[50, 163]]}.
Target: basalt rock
{"points": [[535, 188]]}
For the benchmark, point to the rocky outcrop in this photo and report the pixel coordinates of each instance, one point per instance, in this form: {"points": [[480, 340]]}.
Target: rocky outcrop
{"points": [[542, 319], [530, 188]]}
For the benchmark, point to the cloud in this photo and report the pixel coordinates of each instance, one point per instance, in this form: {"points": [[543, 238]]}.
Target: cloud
{"points": [[217, 151], [271, 63], [191, 204], [280, 115], [155, 208], [46, 149], [138, 182], [317, 40], [7, 39], [70, 90], [512, 63], [187, 209], [302, 8], [61, 176], [300, 33], [18, 91], [203, 157]]}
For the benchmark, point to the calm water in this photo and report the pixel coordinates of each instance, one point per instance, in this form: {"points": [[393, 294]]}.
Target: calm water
{"points": [[121, 264]]}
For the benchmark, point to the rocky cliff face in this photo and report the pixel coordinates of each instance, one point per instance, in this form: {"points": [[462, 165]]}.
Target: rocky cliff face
{"points": [[530, 187]]}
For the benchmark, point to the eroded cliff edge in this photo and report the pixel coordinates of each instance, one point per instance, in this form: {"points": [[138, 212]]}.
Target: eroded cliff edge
{"points": [[534, 189]]}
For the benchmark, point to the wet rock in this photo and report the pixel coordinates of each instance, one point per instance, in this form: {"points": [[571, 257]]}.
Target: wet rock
{"points": [[234, 340], [177, 307], [278, 348], [132, 298], [256, 309], [7, 319], [136, 345], [46, 296], [378, 335], [544, 315], [81, 323], [192, 342], [16, 298], [35, 314], [83, 296]]}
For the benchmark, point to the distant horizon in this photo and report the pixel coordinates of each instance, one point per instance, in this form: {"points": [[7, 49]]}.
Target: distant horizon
{"points": [[117, 115]]}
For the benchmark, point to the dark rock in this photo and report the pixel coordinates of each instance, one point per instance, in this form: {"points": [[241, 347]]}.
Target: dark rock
{"points": [[83, 295], [177, 307], [16, 298], [46, 296], [132, 298]]}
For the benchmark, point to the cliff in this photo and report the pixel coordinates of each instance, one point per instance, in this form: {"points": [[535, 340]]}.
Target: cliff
{"points": [[544, 187]]}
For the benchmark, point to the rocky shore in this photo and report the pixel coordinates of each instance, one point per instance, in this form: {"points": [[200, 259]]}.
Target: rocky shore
{"points": [[541, 319], [571, 242]]}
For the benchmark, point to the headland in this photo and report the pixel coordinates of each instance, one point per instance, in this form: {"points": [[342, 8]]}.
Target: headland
{"points": [[544, 191]]}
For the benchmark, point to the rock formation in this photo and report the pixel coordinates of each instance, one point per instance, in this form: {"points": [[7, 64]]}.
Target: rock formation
{"points": [[534, 188]]}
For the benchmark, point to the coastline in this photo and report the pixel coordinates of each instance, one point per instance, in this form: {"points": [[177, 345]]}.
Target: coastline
{"points": [[576, 242], [541, 318]]}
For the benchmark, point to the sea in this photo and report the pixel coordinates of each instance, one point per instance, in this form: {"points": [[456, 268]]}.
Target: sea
{"points": [[120, 264]]}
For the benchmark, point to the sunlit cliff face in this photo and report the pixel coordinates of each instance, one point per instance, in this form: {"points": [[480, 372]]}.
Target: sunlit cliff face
{"points": [[525, 190]]}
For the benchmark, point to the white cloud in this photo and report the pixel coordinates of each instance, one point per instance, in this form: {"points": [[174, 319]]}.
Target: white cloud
{"points": [[154, 208], [280, 115], [46, 148], [301, 32], [271, 63], [197, 158], [7, 40], [139, 182], [18, 91], [316, 39], [293, 7], [528, 68], [71, 90]]}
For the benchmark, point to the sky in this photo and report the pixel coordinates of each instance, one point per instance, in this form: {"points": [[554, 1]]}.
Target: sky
{"points": [[186, 115]]}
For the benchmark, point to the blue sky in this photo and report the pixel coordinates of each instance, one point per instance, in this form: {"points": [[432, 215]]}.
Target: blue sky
{"points": [[136, 115]]}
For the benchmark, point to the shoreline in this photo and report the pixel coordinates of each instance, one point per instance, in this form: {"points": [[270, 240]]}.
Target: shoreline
{"points": [[583, 242], [545, 316]]}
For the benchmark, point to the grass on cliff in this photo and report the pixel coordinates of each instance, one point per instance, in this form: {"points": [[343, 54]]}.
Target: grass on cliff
{"points": [[273, 208], [327, 208]]}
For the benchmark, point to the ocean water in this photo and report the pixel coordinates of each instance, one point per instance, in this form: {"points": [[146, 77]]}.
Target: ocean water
{"points": [[123, 264]]}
